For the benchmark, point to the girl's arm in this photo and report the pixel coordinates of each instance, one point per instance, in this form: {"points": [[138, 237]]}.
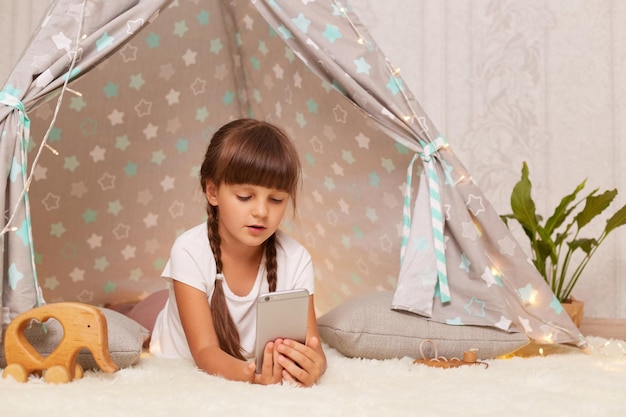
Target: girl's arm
{"points": [[304, 364], [195, 316]]}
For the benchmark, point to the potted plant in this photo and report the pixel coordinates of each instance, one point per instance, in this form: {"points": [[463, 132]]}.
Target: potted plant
{"points": [[558, 251]]}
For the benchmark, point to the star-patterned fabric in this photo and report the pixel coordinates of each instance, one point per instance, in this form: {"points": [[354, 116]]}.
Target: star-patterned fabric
{"points": [[385, 204]]}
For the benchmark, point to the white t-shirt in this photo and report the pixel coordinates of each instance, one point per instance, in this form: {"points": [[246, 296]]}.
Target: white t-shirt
{"points": [[192, 262]]}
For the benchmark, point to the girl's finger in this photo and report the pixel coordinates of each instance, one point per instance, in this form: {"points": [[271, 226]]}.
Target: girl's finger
{"points": [[290, 379]]}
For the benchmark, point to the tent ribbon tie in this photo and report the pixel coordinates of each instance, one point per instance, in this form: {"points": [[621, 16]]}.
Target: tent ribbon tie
{"points": [[12, 101], [23, 132], [406, 210], [427, 157]]}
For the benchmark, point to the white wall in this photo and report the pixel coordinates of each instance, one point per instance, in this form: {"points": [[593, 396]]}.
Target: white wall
{"points": [[506, 81]]}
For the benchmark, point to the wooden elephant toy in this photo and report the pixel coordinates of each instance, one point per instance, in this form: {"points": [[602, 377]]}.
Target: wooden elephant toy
{"points": [[84, 326]]}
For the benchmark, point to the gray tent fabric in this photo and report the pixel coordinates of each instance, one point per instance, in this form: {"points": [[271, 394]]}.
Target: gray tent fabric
{"points": [[156, 78], [43, 69]]}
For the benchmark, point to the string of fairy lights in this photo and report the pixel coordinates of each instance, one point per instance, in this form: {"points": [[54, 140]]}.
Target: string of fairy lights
{"points": [[44, 141], [23, 196], [611, 348], [395, 72], [413, 117]]}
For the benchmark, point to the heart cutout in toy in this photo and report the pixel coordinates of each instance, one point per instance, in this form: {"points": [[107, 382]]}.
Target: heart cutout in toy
{"points": [[44, 337]]}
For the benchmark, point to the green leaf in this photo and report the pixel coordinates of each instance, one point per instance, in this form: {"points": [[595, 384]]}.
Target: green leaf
{"points": [[594, 205], [547, 239], [618, 219], [563, 210], [545, 245], [522, 203], [587, 245], [543, 251], [560, 238]]}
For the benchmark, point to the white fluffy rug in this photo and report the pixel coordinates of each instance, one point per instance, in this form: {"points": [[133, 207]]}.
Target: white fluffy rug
{"points": [[566, 383]]}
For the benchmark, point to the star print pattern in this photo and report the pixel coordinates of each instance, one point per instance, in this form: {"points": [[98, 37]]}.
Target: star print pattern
{"points": [[134, 187], [106, 210]]}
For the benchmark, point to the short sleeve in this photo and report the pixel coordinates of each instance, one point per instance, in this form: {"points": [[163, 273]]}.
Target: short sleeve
{"points": [[298, 271], [191, 261]]}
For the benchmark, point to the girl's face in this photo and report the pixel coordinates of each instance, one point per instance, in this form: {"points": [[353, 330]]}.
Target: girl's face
{"points": [[248, 214]]}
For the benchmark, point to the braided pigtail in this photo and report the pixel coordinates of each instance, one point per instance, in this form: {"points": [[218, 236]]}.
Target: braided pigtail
{"points": [[225, 328], [254, 152], [270, 261]]}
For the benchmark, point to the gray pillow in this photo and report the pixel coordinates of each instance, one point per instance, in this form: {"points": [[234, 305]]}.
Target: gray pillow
{"points": [[125, 335], [366, 327]]}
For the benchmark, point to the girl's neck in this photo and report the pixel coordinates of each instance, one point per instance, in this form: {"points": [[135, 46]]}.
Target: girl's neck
{"points": [[240, 265], [239, 252]]}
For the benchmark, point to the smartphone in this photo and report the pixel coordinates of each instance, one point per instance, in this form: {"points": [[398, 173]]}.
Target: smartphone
{"points": [[280, 315]]}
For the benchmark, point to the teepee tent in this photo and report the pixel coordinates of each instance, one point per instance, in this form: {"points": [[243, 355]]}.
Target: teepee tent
{"points": [[105, 119]]}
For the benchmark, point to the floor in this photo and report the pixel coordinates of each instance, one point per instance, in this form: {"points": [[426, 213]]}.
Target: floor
{"points": [[607, 328]]}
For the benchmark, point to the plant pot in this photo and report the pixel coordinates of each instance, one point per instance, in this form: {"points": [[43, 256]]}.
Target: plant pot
{"points": [[574, 309]]}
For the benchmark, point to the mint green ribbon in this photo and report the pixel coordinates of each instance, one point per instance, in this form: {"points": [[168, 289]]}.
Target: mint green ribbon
{"points": [[12, 101], [406, 209], [436, 213], [429, 150], [23, 133]]}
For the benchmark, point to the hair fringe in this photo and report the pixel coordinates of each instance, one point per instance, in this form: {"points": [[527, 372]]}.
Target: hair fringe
{"points": [[255, 152]]}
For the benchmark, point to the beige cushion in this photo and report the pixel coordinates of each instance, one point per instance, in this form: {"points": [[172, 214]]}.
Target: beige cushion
{"points": [[126, 338], [366, 327]]}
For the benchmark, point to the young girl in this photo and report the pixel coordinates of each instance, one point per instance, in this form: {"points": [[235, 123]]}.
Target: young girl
{"points": [[218, 269]]}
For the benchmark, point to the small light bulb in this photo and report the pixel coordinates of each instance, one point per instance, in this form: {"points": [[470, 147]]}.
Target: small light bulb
{"points": [[77, 93], [54, 151]]}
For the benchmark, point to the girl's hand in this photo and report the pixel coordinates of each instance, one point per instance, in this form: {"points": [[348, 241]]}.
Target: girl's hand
{"points": [[303, 364], [271, 370]]}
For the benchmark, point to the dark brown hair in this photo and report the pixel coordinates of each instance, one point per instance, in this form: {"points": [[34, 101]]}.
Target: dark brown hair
{"points": [[246, 151]]}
